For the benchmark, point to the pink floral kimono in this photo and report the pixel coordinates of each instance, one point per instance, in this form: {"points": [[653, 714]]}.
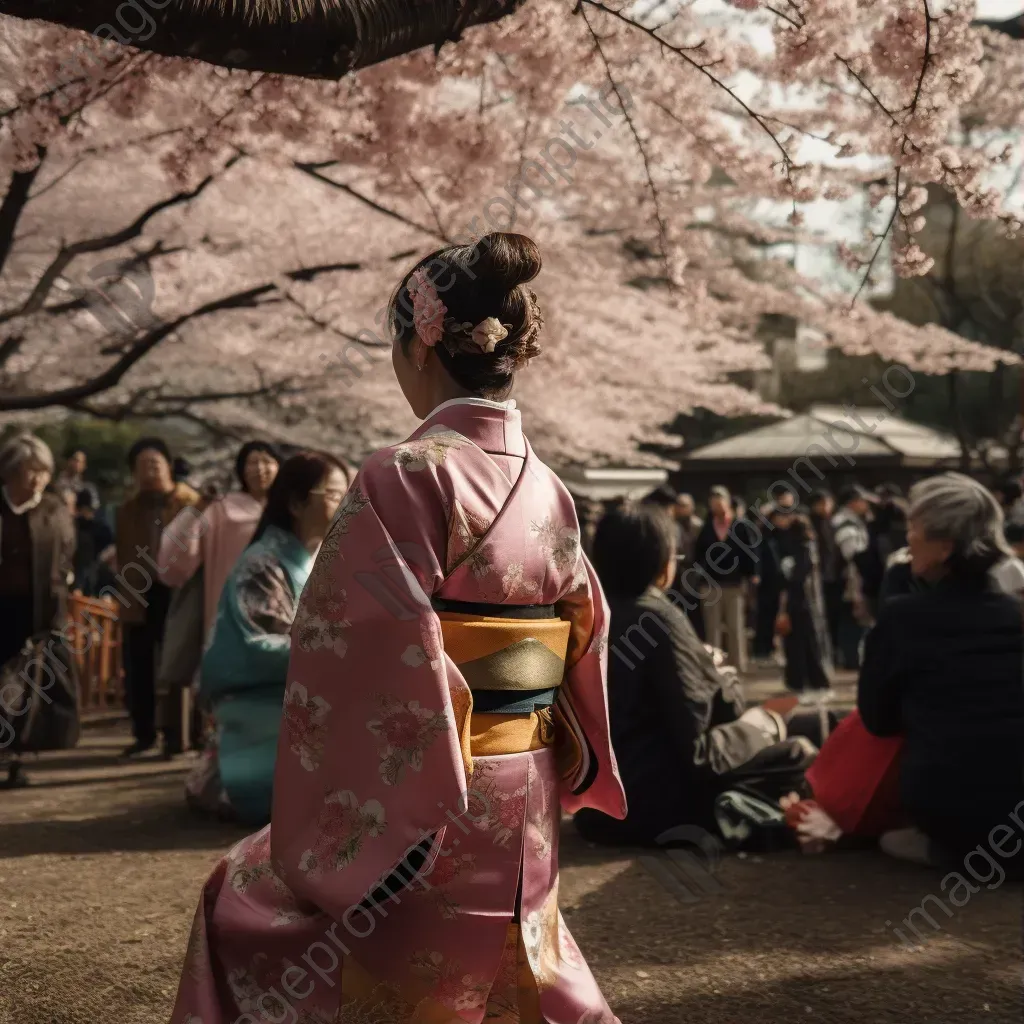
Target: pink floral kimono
{"points": [[410, 872]]}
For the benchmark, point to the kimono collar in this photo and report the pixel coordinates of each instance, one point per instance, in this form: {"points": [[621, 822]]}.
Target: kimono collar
{"points": [[496, 427], [294, 555]]}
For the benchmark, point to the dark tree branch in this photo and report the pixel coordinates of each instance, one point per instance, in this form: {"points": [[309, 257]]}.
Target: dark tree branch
{"points": [[14, 204], [250, 298], [313, 170], [35, 301]]}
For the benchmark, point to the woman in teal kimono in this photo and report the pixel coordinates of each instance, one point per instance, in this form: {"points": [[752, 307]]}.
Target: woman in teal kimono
{"points": [[245, 665]]}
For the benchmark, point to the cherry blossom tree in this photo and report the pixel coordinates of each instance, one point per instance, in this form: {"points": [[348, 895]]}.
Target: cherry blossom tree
{"points": [[604, 129]]}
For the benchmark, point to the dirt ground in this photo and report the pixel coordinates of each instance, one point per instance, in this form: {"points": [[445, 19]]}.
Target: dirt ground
{"points": [[101, 867]]}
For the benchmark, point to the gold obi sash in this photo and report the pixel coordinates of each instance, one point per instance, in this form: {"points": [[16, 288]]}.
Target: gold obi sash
{"points": [[513, 661]]}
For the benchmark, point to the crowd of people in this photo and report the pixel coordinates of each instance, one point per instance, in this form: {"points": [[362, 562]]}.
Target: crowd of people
{"points": [[203, 585], [424, 654]]}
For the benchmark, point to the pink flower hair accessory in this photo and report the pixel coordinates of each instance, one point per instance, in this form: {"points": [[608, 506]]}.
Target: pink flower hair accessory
{"points": [[428, 311]]}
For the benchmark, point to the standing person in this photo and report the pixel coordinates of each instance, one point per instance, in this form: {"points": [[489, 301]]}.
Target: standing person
{"points": [[887, 534], [851, 535], [944, 669], [1010, 495], [156, 500], [688, 525], [450, 621], [245, 666], [208, 538], [830, 561], [214, 533], [728, 566], [802, 622], [71, 478], [37, 545], [94, 550], [769, 587]]}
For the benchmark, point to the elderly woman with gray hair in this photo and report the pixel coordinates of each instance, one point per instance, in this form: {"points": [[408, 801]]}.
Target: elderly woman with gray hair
{"points": [[37, 546], [944, 667]]}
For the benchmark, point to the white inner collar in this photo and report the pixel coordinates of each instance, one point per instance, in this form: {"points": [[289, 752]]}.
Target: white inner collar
{"points": [[507, 406]]}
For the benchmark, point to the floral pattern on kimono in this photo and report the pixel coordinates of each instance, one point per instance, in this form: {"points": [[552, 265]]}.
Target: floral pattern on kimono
{"points": [[320, 622], [516, 584], [465, 530], [492, 809], [503, 1001], [351, 505], [446, 869], [431, 448], [541, 819], [406, 730], [540, 938], [340, 830], [250, 862], [559, 542], [265, 598], [197, 954], [449, 985], [305, 725]]}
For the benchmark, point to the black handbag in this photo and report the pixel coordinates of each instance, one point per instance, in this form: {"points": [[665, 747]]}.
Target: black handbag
{"points": [[39, 701]]}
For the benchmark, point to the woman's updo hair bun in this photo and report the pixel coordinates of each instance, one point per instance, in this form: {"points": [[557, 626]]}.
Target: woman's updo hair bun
{"points": [[474, 282]]}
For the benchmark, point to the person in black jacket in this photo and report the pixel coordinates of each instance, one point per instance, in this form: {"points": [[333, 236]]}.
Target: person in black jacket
{"points": [[722, 554], [944, 667], [680, 730], [802, 621]]}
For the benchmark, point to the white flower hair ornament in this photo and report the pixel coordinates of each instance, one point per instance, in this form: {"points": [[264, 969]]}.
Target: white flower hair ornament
{"points": [[481, 338]]}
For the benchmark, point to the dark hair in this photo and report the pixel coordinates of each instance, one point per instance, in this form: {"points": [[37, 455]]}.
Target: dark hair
{"points": [[145, 444], [1014, 533], [245, 451], [475, 282], [819, 495], [1010, 489], [632, 544], [298, 475], [662, 496], [84, 499]]}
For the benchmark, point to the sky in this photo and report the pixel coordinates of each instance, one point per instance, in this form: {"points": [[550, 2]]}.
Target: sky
{"points": [[998, 10]]}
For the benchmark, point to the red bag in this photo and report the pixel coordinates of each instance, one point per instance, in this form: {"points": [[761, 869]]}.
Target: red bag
{"points": [[855, 779]]}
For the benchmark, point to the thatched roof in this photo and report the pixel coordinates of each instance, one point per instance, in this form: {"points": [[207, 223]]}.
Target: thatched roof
{"points": [[312, 38]]}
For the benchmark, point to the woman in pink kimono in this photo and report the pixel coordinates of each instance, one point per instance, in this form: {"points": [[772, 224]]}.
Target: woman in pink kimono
{"points": [[446, 700], [213, 535]]}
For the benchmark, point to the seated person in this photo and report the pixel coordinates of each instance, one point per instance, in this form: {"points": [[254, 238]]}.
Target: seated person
{"points": [[244, 668], [944, 668], [680, 732]]}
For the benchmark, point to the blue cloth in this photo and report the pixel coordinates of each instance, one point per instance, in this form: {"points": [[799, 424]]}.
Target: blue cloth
{"points": [[245, 666]]}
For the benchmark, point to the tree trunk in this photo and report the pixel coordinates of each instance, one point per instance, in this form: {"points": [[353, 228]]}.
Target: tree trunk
{"points": [[956, 419], [319, 39], [14, 204]]}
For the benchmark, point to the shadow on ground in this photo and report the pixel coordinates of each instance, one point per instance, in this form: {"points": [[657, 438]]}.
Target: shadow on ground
{"points": [[101, 868]]}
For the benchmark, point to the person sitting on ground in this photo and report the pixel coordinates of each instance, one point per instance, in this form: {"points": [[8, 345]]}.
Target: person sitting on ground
{"points": [[245, 666], [680, 731], [944, 668]]}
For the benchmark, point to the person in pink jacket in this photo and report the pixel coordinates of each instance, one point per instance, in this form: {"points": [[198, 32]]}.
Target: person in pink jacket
{"points": [[214, 533]]}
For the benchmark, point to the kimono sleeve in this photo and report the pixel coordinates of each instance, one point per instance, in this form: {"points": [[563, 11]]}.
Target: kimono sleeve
{"points": [[584, 696], [369, 760], [181, 546]]}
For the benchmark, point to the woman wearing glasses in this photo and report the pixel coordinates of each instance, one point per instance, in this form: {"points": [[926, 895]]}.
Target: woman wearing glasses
{"points": [[245, 665]]}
